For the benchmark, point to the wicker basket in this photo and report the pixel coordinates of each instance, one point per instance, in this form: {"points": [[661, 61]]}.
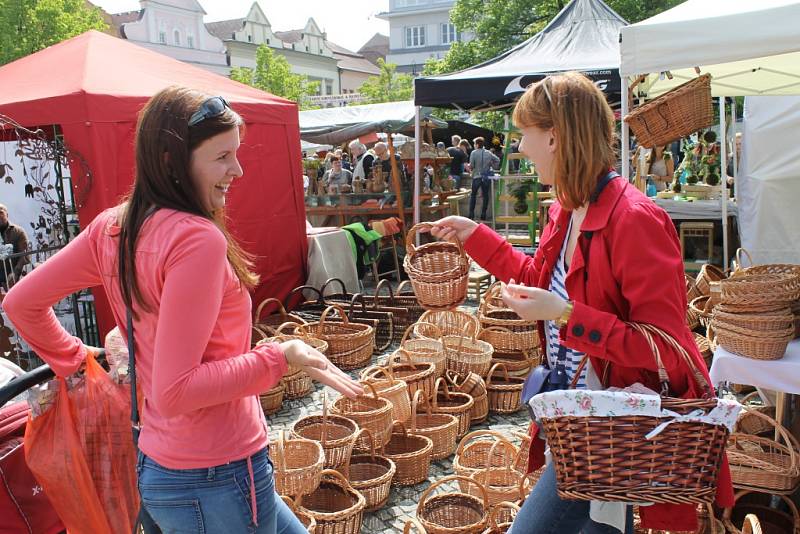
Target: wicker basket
{"points": [[501, 484], [476, 452], [474, 386], [691, 288], [454, 512], [371, 475], [438, 271], [501, 517], [704, 347], [298, 465], [335, 505], [748, 423], [272, 400], [750, 343], [459, 405], [349, 344], [702, 310], [336, 434], [416, 375], [371, 412], [505, 391], [427, 349], [304, 517], [449, 323], [411, 453], [755, 292], [271, 322], [667, 471], [767, 268], [465, 355], [770, 519], [504, 329], [761, 463], [518, 363], [708, 273], [441, 428], [692, 319], [775, 321], [678, 113], [390, 388], [297, 385]]}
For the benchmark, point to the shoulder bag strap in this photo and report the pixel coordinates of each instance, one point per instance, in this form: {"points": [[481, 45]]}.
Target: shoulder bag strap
{"points": [[132, 374]]}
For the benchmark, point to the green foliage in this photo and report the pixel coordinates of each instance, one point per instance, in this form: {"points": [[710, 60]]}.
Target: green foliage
{"points": [[389, 86], [27, 26], [273, 75]]}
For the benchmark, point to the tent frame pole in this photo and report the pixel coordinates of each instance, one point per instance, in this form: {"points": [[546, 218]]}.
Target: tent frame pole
{"points": [[735, 155], [625, 132], [723, 179], [398, 189], [417, 142]]}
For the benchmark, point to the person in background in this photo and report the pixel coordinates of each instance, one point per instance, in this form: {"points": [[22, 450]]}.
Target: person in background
{"points": [[481, 161], [457, 161], [166, 260], [346, 165], [13, 240], [337, 177], [362, 167], [661, 167]]}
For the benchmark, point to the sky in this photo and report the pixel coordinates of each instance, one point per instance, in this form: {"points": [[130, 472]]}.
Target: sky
{"points": [[350, 23]]}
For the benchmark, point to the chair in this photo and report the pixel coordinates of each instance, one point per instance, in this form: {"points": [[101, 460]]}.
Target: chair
{"points": [[387, 244]]}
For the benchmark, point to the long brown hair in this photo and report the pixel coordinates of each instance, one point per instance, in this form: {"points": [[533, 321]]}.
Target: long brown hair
{"points": [[164, 144], [583, 125]]}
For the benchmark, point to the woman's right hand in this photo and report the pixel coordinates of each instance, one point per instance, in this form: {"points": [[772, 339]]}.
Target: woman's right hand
{"points": [[319, 368], [453, 227]]}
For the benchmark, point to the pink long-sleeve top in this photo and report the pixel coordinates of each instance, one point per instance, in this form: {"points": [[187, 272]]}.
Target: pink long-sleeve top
{"points": [[199, 378]]}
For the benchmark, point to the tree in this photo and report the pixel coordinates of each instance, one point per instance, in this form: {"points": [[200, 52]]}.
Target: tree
{"points": [[273, 75], [389, 86], [27, 26]]}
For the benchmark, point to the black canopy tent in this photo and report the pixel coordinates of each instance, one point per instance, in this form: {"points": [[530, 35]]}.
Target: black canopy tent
{"points": [[584, 36]]}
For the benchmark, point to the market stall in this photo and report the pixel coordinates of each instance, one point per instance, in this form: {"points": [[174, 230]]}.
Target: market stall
{"points": [[96, 86]]}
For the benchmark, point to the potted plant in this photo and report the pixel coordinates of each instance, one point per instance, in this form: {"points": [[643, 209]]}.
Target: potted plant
{"points": [[520, 194]]}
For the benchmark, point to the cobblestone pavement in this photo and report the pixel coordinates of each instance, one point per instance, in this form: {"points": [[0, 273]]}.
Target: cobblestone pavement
{"points": [[402, 500]]}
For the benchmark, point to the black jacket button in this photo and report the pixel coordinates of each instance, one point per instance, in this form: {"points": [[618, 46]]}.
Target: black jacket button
{"points": [[594, 336], [577, 330]]}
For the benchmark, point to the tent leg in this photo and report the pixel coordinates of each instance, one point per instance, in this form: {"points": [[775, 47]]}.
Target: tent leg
{"points": [[625, 132], [398, 188], [417, 142], [735, 154], [723, 180]]}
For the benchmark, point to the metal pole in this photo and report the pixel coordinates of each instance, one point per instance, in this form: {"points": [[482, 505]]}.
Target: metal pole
{"points": [[625, 133], [417, 142], [723, 180], [735, 154]]}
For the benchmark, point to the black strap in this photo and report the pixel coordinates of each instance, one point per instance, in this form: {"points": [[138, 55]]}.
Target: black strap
{"points": [[135, 428]]}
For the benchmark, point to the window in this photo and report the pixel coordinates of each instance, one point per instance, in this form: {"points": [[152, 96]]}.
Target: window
{"points": [[449, 34], [328, 87], [249, 38], [190, 41], [415, 36], [162, 37], [177, 37], [408, 3]]}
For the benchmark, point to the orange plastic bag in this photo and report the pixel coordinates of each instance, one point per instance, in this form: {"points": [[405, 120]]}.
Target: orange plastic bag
{"points": [[81, 452]]}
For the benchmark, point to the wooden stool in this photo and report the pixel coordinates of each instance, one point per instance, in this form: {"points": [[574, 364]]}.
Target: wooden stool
{"points": [[479, 281], [697, 229], [387, 244]]}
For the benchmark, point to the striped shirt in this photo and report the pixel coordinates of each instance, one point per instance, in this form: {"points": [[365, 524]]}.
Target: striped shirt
{"points": [[573, 357]]}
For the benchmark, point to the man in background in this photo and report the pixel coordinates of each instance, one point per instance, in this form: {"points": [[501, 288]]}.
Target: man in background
{"points": [[459, 158], [13, 240]]}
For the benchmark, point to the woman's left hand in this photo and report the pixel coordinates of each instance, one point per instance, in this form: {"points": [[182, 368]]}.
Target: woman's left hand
{"points": [[533, 303]]}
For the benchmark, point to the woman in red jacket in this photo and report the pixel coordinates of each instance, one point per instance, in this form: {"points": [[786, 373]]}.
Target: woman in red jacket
{"points": [[608, 256]]}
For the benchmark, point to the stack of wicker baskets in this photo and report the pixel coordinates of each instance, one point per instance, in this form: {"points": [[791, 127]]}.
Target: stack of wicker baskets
{"points": [[754, 317]]}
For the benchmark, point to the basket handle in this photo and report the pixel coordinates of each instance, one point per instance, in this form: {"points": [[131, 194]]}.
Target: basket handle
{"points": [[291, 503], [751, 525], [372, 389], [441, 381], [287, 324], [484, 305], [403, 284], [475, 434], [300, 290], [743, 251], [322, 433], [372, 372], [402, 426], [407, 360], [282, 450], [493, 329], [331, 281], [336, 308], [263, 335], [413, 328], [358, 297], [505, 373], [726, 514], [281, 309], [414, 402], [452, 377], [370, 440], [411, 522], [425, 494], [416, 228], [384, 283], [496, 508], [788, 438], [505, 443]]}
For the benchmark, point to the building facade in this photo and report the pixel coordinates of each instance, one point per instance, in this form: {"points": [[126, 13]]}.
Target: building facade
{"points": [[174, 28], [419, 30]]}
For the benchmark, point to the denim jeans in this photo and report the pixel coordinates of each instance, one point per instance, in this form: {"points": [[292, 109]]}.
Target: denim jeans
{"points": [[215, 500], [482, 184], [544, 512]]}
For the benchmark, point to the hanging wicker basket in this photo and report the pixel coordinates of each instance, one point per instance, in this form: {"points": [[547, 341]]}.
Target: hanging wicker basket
{"points": [[427, 349], [453, 512], [371, 475], [272, 400], [411, 453], [459, 405], [678, 113], [441, 428], [336, 434], [439, 271], [349, 344], [368, 411], [335, 505], [449, 323], [298, 465], [390, 388]]}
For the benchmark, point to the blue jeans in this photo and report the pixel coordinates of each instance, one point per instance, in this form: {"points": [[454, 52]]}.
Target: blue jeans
{"points": [[215, 499], [483, 185], [544, 512]]}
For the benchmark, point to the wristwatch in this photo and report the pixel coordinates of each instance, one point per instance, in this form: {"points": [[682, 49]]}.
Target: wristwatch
{"points": [[563, 319]]}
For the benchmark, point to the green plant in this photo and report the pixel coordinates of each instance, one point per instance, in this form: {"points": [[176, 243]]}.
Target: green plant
{"points": [[712, 178], [709, 136], [520, 194], [691, 179], [676, 187]]}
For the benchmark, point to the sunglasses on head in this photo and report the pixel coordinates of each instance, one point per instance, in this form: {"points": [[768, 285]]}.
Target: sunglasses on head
{"points": [[213, 107]]}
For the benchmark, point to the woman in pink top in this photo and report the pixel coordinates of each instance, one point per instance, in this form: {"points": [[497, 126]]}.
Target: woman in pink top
{"points": [[165, 254]]}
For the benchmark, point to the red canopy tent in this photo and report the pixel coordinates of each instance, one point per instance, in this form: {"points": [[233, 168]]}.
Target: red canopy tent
{"points": [[92, 86]]}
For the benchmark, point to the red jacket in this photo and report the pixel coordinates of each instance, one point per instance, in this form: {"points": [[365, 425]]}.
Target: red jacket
{"points": [[634, 273]]}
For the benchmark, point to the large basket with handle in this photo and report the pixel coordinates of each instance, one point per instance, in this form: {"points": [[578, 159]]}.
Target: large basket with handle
{"points": [[370, 474], [349, 344], [335, 433], [335, 505], [453, 512], [298, 465], [439, 271], [390, 388], [440, 427]]}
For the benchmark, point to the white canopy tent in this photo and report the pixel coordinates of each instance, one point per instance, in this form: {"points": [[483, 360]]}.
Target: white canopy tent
{"points": [[750, 47]]}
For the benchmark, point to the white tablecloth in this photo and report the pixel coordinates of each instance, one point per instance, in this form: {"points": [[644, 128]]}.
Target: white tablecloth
{"points": [[330, 256], [698, 209], [780, 375]]}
